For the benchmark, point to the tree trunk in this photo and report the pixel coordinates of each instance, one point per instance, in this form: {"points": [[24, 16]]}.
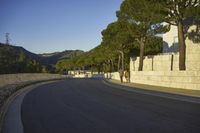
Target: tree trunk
{"points": [[119, 60], [99, 69], [122, 54], [122, 60], [141, 56], [182, 47], [112, 65], [91, 71]]}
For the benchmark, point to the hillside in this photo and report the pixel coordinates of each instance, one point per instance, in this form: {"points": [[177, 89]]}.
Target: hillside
{"points": [[19, 49], [52, 58], [16, 59]]}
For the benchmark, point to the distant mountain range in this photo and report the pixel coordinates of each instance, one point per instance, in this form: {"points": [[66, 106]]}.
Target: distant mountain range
{"points": [[52, 58], [46, 58]]}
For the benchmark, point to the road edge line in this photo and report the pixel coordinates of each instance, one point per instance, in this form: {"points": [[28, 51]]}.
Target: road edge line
{"points": [[21, 88]]}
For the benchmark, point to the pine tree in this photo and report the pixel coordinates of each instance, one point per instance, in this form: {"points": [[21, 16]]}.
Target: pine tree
{"points": [[141, 22], [176, 12]]}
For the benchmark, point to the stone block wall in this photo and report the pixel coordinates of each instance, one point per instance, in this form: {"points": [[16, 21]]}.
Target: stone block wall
{"points": [[170, 61], [163, 70], [174, 79], [165, 62], [113, 75]]}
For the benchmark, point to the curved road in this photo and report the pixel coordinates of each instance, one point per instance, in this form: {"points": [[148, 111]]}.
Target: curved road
{"points": [[90, 106]]}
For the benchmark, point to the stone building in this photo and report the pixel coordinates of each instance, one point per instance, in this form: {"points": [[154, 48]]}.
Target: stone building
{"points": [[170, 40]]}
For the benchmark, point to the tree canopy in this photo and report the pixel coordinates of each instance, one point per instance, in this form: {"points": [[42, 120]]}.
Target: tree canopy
{"points": [[12, 61], [132, 34], [178, 12], [140, 22]]}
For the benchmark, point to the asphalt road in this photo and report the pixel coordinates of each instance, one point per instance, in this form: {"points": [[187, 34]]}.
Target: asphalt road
{"points": [[90, 106]]}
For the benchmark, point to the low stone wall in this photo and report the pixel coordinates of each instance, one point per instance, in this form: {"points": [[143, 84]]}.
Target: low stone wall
{"points": [[9, 79], [170, 61], [174, 79], [163, 70], [114, 75]]}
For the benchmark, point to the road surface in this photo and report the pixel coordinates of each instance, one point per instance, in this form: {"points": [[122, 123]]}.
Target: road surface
{"points": [[91, 106]]}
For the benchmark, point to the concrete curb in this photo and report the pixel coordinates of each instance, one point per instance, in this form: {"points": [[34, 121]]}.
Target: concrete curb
{"points": [[179, 97], [22, 89]]}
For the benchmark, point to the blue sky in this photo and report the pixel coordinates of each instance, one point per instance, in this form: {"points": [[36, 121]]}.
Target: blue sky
{"points": [[55, 25]]}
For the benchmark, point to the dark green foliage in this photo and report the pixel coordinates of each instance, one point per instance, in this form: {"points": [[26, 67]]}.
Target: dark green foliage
{"points": [[52, 58], [136, 24], [103, 56], [153, 45], [174, 11], [141, 22], [177, 12], [13, 61]]}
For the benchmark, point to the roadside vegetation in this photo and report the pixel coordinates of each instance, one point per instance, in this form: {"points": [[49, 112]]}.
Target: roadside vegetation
{"points": [[136, 33], [16, 59], [13, 61]]}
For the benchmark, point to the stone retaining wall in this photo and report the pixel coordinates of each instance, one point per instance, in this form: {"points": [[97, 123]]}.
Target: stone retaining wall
{"points": [[114, 75], [163, 70], [170, 61], [175, 79]]}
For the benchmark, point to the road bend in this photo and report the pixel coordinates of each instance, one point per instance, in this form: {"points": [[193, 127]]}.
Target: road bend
{"points": [[91, 106]]}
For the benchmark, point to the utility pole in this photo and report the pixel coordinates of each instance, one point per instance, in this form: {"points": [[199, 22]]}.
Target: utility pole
{"points": [[7, 39]]}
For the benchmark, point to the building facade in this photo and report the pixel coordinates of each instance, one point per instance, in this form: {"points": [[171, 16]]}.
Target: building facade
{"points": [[170, 40]]}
